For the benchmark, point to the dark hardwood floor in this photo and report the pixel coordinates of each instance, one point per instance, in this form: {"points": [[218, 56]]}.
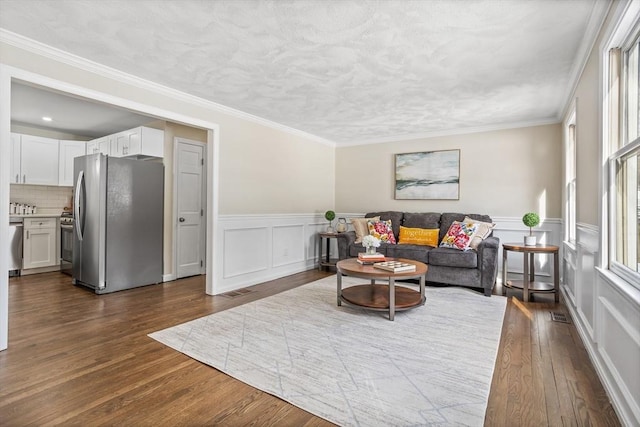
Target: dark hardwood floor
{"points": [[76, 358]]}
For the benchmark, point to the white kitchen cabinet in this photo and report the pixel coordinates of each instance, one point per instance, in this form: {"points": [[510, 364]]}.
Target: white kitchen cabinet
{"points": [[140, 141], [16, 175], [69, 150], [38, 160], [92, 147], [101, 145], [40, 243]]}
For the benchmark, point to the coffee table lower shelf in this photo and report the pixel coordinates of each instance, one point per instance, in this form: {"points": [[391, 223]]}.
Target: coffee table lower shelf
{"points": [[376, 297]]}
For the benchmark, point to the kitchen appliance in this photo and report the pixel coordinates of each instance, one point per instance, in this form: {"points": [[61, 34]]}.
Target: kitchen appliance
{"points": [[118, 222], [66, 243], [15, 246]]}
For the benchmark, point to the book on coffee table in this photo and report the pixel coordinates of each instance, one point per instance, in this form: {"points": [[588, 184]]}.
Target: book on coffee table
{"points": [[377, 257], [395, 266], [369, 262]]}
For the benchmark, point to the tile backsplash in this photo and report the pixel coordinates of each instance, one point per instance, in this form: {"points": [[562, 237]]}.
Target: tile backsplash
{"points": [[42, 196]]}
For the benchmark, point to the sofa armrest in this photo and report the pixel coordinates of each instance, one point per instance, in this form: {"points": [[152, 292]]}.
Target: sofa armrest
{"points": [[344, 241], [488, 251]]}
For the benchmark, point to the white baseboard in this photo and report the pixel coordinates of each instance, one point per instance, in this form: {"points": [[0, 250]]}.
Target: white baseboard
{"points": [[168, 277]]}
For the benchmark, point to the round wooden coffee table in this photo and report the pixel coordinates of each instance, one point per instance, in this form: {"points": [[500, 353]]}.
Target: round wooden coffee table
{"points": [[381, 297]]}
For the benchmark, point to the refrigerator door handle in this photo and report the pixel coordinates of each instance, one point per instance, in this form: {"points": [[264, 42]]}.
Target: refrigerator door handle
{"points": [[76, 206]]}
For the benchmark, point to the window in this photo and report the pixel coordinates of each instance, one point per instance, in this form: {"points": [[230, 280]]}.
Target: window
{"points": [[624, 162], [570, 179]]}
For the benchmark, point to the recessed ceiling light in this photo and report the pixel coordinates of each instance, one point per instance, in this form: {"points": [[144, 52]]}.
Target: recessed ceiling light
{"points": [[47, 119]]}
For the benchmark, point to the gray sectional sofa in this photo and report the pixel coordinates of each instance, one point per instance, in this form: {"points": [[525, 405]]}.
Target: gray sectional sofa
{"points": [[471, 268]]}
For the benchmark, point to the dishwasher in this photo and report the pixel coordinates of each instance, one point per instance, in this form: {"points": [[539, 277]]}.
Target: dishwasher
{"points": [[15, 246]]}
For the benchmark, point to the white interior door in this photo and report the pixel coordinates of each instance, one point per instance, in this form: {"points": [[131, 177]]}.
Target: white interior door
{"points": [[189, 194]]}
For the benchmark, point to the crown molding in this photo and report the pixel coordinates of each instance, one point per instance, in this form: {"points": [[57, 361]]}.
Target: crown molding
{"points": [[594, 26], [458, 131], [76, 61]]}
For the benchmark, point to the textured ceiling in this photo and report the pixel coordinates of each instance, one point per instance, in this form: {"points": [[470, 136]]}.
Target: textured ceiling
{"points": [[347, 71]]}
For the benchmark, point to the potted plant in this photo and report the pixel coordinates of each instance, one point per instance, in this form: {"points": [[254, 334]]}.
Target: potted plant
{"points": [[330, 216], [530, 219]]}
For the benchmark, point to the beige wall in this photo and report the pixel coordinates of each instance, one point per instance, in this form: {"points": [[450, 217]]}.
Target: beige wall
{"points": [[266, 171], [587, 142], [502, 173]]}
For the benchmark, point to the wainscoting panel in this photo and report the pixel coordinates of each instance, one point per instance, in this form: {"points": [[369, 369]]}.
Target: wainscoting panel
{"points": [[569, 273], [251, 244], [259, 248], [606, 312], [587, 253], [288, 244], [618, 345]]}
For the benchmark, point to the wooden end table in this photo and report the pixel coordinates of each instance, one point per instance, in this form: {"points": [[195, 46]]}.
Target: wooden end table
{"points": [[528, 284], [326, 261], [381, 297]]}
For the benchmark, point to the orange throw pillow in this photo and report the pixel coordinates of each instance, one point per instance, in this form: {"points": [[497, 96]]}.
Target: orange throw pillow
{"points": [[418, 236]]}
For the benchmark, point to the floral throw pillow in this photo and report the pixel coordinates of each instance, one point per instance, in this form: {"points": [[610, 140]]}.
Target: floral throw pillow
{"points": [[382, 230], [459, 235]]}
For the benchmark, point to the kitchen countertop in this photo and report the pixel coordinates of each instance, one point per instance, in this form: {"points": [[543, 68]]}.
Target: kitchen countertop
{"points": [[36, 215]]}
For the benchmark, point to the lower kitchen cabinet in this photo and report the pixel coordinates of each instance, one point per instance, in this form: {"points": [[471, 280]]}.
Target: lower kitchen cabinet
{"points": [[40, 245]]}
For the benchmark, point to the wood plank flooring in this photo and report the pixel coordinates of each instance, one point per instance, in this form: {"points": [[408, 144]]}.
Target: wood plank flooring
{"points": [[80, 359]]}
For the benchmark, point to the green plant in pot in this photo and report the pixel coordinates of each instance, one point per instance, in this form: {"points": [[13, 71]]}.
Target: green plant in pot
{"points": [[330, 216], [530, 219]]}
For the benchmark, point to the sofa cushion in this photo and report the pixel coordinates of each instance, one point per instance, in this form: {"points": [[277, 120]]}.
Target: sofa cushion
{"points": [[382, 231], [449, 257], [484, 230], [459, 235], [360, 227], [414, 252], [418, 236], [394, 216], [447, 219], [421, 220]]}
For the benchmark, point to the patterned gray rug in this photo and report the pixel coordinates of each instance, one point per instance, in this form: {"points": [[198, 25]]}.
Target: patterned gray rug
{"points": [[432, 365]]}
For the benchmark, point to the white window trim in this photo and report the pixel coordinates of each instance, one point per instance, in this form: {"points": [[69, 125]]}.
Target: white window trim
{"points": [[569, 237], [627, 18]]}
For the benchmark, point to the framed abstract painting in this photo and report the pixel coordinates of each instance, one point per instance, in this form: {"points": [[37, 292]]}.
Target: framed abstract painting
{"points": [[428, 175]]}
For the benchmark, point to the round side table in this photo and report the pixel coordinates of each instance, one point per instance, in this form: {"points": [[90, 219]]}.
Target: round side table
{"points": [[528, 284]]}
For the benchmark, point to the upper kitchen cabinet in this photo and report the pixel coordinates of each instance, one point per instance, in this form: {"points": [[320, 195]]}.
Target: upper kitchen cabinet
{"points": [[102, 145], [16, 176], [139, 142], [38, 160], [69, 150]]}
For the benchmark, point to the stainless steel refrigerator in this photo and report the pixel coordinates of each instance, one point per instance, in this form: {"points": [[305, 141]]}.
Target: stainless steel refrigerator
{"points": [[118, 222]]}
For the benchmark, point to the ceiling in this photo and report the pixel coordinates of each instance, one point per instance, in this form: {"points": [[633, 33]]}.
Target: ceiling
{"points": [[69, 114], [347, 71]]}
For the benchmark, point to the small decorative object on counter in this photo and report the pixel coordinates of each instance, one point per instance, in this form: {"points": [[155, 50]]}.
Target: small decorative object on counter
{"points": [[371, 243], [330, 216], [530, 219], [341, 227]]}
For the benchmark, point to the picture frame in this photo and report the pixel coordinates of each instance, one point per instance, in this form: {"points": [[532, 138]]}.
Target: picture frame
{"points": [[428, 175]]}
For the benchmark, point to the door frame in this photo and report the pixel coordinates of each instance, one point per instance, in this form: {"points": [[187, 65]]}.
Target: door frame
{"points": [[9, 73], [179, 140]]}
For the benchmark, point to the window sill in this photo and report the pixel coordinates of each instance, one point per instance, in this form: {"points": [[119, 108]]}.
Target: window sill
{"points": [[625, 288]]}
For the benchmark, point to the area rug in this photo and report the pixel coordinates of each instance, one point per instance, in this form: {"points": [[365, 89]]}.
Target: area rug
{"points": [[431, 366]]}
